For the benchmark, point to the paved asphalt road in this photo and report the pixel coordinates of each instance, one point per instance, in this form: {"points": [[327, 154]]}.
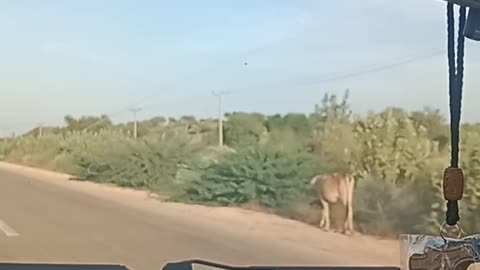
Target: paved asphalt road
{"points": [[43, 222]]}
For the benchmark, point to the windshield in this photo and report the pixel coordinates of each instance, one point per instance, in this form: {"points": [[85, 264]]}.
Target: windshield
{"points": [[242, 132]]}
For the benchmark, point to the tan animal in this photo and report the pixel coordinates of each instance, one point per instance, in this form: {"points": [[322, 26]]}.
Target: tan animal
{"points": [[332, 188]]}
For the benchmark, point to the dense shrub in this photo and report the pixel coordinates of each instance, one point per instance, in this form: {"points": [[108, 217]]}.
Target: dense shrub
{"points": [[271, 177]]}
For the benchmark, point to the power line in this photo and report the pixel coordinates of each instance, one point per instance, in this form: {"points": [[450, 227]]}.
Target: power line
{"points": [[379, 68], [126, 109], [109, 116], [374, 69]]}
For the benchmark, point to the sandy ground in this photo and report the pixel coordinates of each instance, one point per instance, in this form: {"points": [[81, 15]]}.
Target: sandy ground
{"points": [[349, 250]]}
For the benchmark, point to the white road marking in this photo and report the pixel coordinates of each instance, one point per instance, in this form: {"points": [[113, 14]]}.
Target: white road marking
{"points": [[7, 230]]}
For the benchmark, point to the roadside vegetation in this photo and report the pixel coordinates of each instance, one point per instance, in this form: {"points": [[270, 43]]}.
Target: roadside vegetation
{"points": [[398, 158]]}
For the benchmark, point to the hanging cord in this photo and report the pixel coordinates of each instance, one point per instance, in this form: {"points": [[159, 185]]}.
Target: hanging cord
{"points": [[455, 92]]}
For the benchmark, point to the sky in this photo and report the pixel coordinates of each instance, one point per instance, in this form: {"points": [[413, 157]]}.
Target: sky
{"points": [[90, 57]]}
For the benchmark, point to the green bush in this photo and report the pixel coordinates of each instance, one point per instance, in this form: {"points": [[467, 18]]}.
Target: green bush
{"points": [[273, 178], [147, 163], [386, 208]]}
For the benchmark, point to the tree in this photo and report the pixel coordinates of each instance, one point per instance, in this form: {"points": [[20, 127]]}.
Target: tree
{"points": [[334, 140], [393, 148], [88, 123], [435, 124], [299, 124], [274, 122], [244, 129]]}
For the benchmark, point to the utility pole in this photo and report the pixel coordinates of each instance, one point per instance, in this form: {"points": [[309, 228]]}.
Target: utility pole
{"points": [[40, 130], [219, 95], [135, 111]]}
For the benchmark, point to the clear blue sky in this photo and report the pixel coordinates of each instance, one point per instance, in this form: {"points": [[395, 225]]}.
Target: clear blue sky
{"points": [[92, 57]]}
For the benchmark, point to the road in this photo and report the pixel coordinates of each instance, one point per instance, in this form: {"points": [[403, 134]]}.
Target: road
{"points": [[45, 222], [43, 219]]}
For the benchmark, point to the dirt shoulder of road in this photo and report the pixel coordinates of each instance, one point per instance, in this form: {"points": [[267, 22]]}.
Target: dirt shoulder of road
{"points": [[358, 248]]}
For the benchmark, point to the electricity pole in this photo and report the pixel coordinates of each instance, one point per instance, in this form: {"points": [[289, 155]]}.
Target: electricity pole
{"points": [[219, 95], [40, 130], [135, 111]]}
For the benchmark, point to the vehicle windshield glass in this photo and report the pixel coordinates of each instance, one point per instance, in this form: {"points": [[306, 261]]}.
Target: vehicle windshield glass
{"points": [[249, 132]]}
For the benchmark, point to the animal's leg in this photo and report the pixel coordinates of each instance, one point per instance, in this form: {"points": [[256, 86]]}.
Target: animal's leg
{"points": [[322, 220], [348, 226], [325, 222], [349, 205]]}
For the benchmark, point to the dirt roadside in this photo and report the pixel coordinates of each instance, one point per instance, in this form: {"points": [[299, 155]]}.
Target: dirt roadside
{"points": [[357, 249]]}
